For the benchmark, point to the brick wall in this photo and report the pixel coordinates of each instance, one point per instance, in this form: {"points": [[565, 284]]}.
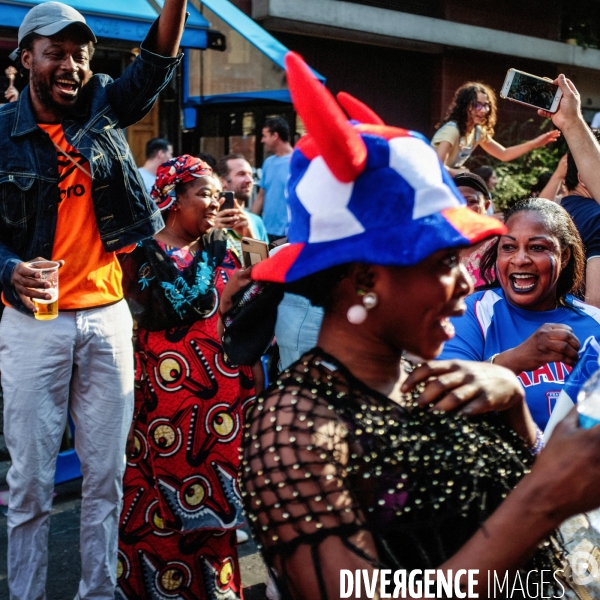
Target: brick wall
{"points": [[397, 84]]}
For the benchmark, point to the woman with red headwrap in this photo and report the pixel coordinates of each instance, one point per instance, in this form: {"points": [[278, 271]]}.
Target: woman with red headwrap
{"points": [[181, 503]]}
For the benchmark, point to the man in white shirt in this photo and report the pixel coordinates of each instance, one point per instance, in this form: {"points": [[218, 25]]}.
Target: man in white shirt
{"points": [[158, 151]]}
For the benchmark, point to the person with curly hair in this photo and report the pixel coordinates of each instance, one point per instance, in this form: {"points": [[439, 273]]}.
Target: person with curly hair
{"points": [[470, 122]]}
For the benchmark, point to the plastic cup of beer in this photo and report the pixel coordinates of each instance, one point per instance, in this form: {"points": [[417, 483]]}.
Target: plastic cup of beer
{"points": [[48, 270]]}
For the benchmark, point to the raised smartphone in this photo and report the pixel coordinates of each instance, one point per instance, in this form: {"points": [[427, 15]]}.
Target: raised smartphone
{"points": [[253, 251], [228, 202], [531, 90]]}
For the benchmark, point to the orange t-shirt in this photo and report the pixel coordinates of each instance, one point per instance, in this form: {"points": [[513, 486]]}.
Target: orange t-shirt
{"points": [[90, 276]]}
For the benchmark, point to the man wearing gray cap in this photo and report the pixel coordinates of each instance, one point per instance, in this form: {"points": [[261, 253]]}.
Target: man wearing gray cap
{"points": [[70, 192]]}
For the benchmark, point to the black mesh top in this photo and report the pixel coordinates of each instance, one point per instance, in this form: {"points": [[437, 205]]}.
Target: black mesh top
{"points": [[332, 467]]}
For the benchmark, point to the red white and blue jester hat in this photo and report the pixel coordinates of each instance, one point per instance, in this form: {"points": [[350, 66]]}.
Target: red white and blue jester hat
{"points": [[361, 191]]}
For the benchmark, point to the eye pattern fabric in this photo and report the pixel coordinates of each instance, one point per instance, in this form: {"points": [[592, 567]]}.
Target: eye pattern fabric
{"points": [[123, 565], [171, 370], [140, 448], [165, 437], [193, 492], [154, 518], [222, 423], [181, 498], [226, 574], [174, 577]]}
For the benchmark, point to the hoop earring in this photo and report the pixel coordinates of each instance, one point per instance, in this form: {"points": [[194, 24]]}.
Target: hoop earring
{"points": [[173, 211], [357, 313]]}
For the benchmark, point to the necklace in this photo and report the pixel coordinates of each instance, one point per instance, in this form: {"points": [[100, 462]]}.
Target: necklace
{"points": [[188, 245], [172, 239], [168, 232]]}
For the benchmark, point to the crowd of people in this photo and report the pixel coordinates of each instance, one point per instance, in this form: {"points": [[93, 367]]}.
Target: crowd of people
{"points": [[363, 452]]}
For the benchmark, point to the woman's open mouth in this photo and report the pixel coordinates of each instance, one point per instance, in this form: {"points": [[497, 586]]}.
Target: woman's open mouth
{"points": [[448, 327], [446, 322], [521, 283]]}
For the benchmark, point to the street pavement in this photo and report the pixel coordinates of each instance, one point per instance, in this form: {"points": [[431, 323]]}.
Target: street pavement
{"points": [[64, 560]]}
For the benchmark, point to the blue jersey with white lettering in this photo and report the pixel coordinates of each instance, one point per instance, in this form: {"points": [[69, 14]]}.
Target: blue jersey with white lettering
{"points": [[492, 325]]}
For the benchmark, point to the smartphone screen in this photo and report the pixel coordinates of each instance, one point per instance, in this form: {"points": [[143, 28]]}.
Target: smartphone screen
{"points": [[531, 90], [228, 202]]}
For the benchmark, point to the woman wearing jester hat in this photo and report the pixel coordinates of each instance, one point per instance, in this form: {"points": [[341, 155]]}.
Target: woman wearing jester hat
{"points": [[181, 504], [352, 458]]}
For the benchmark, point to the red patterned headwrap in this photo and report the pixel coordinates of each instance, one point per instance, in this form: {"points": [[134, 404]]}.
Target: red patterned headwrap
{"points": [[180, 169]]}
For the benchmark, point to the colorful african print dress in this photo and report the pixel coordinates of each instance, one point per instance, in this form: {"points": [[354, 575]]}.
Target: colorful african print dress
{"points": [[181, 502]]}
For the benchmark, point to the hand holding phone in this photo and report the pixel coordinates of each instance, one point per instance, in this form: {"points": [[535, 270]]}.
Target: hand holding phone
{"points": [[569, 110], [228, 201], [531, 90], [232, 218]]}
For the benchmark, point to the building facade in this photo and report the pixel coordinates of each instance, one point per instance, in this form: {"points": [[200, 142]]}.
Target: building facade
{"points": [[405, 58]]}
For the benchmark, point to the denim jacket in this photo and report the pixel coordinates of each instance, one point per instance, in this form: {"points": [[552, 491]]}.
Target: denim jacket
{"points": [[29, 193]]}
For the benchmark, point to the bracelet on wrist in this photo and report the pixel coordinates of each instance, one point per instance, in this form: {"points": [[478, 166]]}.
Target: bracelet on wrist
{"points": [[539, 442], [492, 358]]}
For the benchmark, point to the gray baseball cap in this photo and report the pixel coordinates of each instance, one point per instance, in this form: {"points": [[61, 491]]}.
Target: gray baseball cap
{"points": [[48, 18]]}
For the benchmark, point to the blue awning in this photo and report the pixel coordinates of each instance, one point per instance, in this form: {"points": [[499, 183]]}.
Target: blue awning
{"points": [[115, 19], [250, 29], [251, 68]]}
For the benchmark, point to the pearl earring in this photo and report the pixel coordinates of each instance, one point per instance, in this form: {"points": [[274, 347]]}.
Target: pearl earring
{"points": [[370, 300], [357, 313]]}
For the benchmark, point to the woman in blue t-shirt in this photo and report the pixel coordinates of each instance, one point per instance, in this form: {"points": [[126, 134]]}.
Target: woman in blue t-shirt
{"points": [[529, 321]]}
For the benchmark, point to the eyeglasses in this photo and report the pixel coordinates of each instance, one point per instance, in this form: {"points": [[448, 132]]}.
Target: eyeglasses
{"points": [[487, 106]]}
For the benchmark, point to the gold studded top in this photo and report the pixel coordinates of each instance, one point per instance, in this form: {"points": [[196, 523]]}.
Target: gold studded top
{"points": [[331, 466]]}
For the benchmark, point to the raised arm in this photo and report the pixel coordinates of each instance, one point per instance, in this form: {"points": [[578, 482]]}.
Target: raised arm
{"points": [[134, 93], [498, 151], [582, 143], [170, 28], [557, 178]]}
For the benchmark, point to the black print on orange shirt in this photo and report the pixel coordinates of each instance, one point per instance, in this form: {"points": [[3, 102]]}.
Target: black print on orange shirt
{"points": [[72, 190], [65, 168]]}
